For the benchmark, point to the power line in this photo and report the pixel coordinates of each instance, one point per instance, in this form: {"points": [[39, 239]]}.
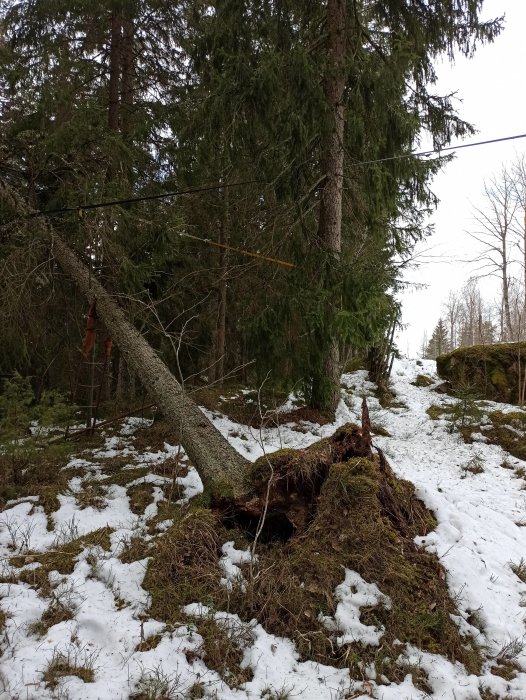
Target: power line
{"points": [[81, 208], [420, 154]]}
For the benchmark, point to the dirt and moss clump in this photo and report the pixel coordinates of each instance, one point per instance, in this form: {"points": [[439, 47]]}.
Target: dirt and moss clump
{"points": [[423, 380], [331, 507], [496, 372]]}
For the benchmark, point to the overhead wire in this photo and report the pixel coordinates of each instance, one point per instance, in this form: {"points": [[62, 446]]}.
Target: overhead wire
{"points": [[439, 151], [80, 208]]}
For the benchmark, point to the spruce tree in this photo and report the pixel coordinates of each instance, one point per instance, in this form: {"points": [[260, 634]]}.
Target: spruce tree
{"points": [[138, 98], [439, 343]]}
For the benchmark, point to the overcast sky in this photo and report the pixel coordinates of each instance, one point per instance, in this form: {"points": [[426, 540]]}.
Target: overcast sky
{"points": [[492, 88]]}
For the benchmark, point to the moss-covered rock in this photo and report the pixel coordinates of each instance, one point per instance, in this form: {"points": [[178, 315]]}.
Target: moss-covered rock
{"points": [[490, 370]]}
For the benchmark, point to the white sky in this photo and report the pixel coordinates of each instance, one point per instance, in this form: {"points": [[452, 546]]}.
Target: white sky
{"points": [[493, 92]]}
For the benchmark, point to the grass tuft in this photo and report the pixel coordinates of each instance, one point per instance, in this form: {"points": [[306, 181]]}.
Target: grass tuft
{"points": [[73, 661], [519, 569]]}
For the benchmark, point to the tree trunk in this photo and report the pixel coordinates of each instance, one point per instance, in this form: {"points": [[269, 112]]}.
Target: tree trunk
{"points": [[220, 466], [330, 217], [114, 71], [221, 311], [506, 300], [127, 75]]}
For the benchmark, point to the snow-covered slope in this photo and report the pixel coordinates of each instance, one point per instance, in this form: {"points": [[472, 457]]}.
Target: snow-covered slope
{"points": [[479, 534]]}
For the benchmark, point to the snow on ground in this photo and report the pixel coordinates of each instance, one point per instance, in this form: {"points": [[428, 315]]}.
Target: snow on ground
{"points": [[479, 534]]}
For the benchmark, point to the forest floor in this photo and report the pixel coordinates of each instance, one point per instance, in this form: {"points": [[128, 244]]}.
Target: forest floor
{"points": [[80, 611]]}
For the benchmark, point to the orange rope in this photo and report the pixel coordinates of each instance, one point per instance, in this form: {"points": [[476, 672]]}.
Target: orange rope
{"points": [[240, 250]]}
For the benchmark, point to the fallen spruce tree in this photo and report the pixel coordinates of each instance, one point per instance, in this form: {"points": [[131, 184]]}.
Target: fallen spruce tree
{"points": [[315, 513]]}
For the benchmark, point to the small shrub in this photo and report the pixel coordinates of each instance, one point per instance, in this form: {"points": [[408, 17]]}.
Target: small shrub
{"points": [[466, 411], [519, 569], [474, 465], [15, 401]]}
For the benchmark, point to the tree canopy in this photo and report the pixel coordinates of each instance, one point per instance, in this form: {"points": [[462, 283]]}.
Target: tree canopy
{"points": [[134, 99]]}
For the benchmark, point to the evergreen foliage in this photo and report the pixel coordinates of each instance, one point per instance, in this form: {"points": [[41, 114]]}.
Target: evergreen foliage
{"points": [[145, 97], [439, 343]]}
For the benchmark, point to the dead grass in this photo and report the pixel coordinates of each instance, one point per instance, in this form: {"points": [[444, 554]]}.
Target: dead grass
{"points": [[61, 559], [135, 549], [53, 615], [140, 495], [70, 662], [149, 643], [250, 409], [422, 380], [222, 650], [436, 412], [92, 495], [154, 437], [188, 553], [123, 477], [29, 470], [507, 670], [519, 569]]}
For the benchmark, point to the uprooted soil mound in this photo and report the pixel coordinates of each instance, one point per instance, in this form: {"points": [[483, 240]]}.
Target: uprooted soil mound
{"points": [[330, 507]]}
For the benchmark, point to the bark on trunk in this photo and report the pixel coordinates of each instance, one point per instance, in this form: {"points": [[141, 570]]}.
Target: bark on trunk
{"points": [[221, 311], [114, 71], [506, 297], [330, 218], [128, 75], [220, 466]]}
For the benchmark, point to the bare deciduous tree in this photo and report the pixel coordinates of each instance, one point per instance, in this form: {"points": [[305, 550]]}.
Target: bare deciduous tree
{"points": [[452, 310], [497, 223]]}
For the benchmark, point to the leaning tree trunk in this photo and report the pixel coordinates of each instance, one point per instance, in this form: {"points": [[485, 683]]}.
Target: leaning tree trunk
{"points": [[219, 465]]}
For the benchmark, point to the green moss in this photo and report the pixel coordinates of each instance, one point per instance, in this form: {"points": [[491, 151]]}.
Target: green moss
{"points": [[492, 370], [499, 378]]}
